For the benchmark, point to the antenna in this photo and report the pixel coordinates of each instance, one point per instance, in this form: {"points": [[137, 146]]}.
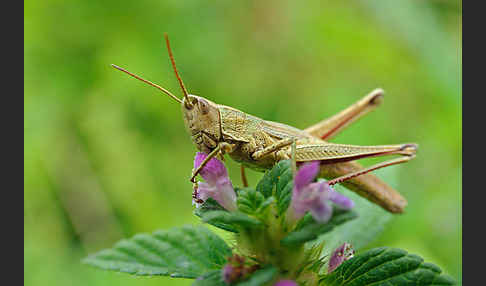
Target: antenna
{"points": [[148, 82], [184, 90]]}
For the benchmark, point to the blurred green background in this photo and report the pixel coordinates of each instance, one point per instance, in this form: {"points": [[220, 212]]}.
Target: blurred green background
{"points": [[107, 156]]}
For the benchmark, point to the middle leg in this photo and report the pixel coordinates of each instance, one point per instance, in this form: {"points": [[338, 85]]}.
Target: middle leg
{"points": [[272, 148]]}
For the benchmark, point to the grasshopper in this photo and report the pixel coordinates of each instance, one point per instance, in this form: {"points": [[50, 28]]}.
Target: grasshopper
{"points": [[258, 144]]}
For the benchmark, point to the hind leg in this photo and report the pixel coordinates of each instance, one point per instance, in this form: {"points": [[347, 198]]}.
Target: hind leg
{"points": [[330, 127]]}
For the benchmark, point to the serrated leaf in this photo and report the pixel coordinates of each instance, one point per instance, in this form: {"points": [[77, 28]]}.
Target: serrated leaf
{"points": [[186, 252], [252, 202], [236, 220], [212, 278], [249, 200], [260, 277], [268, 182], [283, 190], [278, 182], [266, 203], [386, 266], [212, 205], [308, 229]]}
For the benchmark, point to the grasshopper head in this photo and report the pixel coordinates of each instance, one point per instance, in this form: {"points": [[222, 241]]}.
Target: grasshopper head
{"points": [[201, 118]]}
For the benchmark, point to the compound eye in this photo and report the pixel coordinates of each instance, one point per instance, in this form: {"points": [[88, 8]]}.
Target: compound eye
{"points": [[193, 102], [204, 106]]}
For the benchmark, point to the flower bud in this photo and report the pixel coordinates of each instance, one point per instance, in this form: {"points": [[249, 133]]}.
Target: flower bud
{"points": [[341, 254]]}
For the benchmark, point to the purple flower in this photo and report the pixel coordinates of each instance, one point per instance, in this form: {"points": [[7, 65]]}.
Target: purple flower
{"points": [[314, 197], [217, 186], [230, 274], [341, 254], [285, 283]]}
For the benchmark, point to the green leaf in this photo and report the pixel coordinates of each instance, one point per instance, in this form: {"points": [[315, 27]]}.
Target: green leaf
{"points": [[278, 182], [212, 205], [236, 220], [212, 278], [260, 277], [360, 231], [308, 229], [386, 266], [186, 252], [267, 184], [266, 203], [252, 202], [283, 191], [209, 205]]}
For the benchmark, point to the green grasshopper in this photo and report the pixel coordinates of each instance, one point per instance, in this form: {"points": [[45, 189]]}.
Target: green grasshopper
{"points": [[258, 144]]}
